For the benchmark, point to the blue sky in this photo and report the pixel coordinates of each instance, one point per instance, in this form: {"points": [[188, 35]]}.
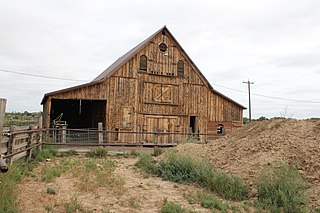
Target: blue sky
{"points": [[275, 44]]}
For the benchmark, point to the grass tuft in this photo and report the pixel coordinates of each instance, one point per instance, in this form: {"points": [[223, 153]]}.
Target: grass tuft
{"points": [[97, 153], [281, 188], [147, 163], [184, 168]]}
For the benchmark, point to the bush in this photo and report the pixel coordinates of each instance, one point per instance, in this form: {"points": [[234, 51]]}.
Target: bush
{"points": [[97, 153], [157, 151], [46, 152], [147, 163], [208, 201], [170, 207], [281, 187], [184, 168], [228, 186]]}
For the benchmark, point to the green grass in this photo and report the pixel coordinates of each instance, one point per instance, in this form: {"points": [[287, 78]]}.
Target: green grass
{"points": [[147, 163], [208, 201], [97, 153], [73, 206], [171, 207], [50, 173], [46, 152], [281, 188], [8, 192], [184, 168], [157, 151]]}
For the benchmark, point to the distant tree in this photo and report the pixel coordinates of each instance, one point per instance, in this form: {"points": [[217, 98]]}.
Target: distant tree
{"points": [[285, 113], [245, 120], [262, 118]]}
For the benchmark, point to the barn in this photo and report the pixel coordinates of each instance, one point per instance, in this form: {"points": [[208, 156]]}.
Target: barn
{"points": [[155, 87]]}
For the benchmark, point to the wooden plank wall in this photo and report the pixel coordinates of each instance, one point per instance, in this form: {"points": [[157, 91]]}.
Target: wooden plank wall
{"points": [[134, 89]]}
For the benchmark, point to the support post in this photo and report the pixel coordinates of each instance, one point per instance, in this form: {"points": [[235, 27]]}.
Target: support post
{"points": [[40, 126], [64, 134], [249, 83], [11, 143], [2, 113], [31, 140], [100, 133]]}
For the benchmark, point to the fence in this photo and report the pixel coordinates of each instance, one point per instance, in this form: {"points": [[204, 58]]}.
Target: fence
{"points": [[104, 137], [17, 143], [20, 142]]}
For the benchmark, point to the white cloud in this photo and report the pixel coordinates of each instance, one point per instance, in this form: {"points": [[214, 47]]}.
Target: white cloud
{"points": [[273, 43]]}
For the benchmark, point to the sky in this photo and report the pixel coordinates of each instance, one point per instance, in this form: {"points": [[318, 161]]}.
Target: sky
{"points": [[273, 43]]}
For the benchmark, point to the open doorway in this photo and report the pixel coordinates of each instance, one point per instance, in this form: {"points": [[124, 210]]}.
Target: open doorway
{"points": [[193, 123], [78, 114]]}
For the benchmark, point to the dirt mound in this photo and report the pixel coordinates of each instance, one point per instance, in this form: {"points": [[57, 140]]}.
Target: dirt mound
{"points": [[245, 151]]}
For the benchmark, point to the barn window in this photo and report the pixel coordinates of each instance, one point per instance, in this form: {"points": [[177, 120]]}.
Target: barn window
{"points": [[143, 62], [162, 93], [180, 68], [163, 47]]}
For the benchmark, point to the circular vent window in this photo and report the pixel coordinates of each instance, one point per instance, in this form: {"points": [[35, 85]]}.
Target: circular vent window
{"points": [[163, 47]]}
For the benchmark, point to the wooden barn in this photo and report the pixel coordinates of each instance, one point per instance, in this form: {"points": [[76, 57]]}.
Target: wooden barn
{"points": [[153, 87]]}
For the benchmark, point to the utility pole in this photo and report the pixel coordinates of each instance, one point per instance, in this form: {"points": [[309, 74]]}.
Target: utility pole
{"points": [[248, 82]]}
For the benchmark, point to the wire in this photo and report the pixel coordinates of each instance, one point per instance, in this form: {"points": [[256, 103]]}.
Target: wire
{"points": [[272, 97], [236, 90], [41, 76]]}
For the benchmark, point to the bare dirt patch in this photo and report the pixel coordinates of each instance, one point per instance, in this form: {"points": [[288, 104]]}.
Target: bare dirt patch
{"points": [[140, 193]]}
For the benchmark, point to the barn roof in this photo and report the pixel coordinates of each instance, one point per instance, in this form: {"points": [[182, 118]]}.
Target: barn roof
{"points": [[126, 57]]}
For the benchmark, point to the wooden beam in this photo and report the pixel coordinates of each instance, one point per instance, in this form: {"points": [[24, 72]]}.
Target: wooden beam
{"points": [[2, 113]]}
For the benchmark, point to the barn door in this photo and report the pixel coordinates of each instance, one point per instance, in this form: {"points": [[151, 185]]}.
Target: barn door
{"points": [[162, 125]]}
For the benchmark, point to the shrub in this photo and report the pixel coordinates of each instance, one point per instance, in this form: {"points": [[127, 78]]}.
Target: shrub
{"points": [[69, 153], [184, 168], [208, 201], [228, 186], [46, 152], [97, 153], [147, 163], [73, 206], [157, 151], [281, 187], [170, 207]]}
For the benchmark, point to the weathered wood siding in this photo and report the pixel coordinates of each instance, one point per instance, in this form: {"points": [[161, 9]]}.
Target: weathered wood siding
{"points": [[140, 100]]}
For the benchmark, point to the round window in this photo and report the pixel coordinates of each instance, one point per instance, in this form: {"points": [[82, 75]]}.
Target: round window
{"points": [[163, 47]]}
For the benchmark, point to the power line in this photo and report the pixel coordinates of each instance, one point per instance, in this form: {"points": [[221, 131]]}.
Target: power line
{"points": [[271, 97], [79, 80], [41, 76]]}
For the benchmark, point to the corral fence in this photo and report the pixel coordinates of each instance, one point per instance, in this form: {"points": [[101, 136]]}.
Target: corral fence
{"points": [[20, 142], [17, 142], [129, 138]]}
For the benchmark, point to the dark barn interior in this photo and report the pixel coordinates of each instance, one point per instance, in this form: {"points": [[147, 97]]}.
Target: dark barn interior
{"points": [[78, 114]]}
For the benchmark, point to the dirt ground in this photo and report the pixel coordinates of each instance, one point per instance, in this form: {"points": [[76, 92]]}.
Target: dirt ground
{"points": [[246, 151], [141, 193]]}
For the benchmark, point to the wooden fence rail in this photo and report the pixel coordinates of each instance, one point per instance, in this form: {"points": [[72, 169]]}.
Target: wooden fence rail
{"points": [[18, 143]]}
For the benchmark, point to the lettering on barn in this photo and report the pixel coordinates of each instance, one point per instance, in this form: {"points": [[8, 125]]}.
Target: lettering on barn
{"points": [[153, 87]]}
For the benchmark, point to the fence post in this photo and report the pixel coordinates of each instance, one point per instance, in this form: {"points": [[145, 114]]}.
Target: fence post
{"points": [[100, 132], [2, 113], [30, 141], [64, 134], [40, 126], [11, 143]]}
